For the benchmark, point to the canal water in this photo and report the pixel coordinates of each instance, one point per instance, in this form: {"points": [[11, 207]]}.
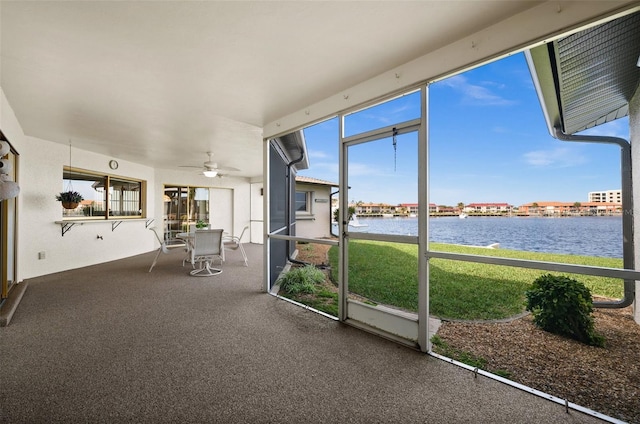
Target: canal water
{"points": [[588, 236]]}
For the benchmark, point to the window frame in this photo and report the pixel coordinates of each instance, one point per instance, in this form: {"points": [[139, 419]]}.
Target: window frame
{"points": [[308, 203], [107, 179], [187, 210]]}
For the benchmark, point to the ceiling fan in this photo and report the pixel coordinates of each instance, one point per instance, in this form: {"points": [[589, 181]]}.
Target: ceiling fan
{"points": [[211, 169]]}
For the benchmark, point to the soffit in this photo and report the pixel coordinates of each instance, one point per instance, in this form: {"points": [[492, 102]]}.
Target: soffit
{"points": [[588, 78], [161, 83]]}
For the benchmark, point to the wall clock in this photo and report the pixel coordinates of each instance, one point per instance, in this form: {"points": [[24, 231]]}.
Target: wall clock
{"points": [[113, 164]]}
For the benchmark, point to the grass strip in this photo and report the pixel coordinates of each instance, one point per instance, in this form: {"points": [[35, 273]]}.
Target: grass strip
{"points": [[387, 273]]}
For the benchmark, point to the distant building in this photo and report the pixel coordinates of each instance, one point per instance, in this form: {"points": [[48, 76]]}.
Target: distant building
{"points": [[608, 196], [488, 207], [568, 208], [444, 209], [402, 209], [374, 208], [410, 208]]}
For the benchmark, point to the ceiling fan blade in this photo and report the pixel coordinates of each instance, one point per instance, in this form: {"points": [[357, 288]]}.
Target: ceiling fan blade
{"points": [[227, 168], [211, 166]]}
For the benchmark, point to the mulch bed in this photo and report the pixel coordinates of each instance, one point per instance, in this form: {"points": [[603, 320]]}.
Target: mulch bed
{"points": [[606, 380]]}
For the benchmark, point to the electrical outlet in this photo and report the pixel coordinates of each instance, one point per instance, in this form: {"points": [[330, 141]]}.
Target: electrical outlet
{"points": [[42, 255]]}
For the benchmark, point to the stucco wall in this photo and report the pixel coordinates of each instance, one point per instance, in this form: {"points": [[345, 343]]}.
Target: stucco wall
{"points": [[40, 165], [634, 134], [80, 246], [40, 178], [317, 223]]}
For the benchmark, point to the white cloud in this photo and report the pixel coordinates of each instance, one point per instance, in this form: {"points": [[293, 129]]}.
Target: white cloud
{"points": [[382, 119], [560, 157], [318, 154], [360, 169], [476, 94], [322, 170]]}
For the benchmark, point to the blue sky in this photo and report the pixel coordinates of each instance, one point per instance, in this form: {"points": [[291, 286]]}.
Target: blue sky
{"points": [[488, 143]]}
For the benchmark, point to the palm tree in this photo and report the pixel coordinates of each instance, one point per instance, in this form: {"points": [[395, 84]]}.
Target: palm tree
{"points": [[460, 206], [534, 206], [351, 210]]}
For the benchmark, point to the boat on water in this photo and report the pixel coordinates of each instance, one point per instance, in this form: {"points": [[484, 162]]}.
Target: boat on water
{"points": [[462, 215], [354, 222], [387, 215]]}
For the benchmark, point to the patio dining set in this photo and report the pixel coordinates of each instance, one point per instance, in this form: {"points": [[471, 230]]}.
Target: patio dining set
{"points": [[202, 248]]}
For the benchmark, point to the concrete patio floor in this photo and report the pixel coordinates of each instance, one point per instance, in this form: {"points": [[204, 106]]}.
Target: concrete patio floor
{"points": [[115, 343]]}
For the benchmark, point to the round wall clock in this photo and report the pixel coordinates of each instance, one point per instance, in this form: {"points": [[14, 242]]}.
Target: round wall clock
{"points": [[113, 164]]}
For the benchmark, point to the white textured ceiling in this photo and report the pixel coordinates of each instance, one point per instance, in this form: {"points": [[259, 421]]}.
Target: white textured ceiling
{"points": [[150, 82]]}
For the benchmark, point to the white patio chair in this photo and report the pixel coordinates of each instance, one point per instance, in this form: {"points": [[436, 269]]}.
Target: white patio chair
{"points": [[235, 243], [207, 246], [165, 246]]}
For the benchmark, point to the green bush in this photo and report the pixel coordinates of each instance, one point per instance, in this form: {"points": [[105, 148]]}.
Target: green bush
{"points": [[301, 280], [563, 306]]}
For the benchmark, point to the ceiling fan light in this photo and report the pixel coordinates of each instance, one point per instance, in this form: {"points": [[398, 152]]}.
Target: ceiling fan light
{"points": [[210, 174]]}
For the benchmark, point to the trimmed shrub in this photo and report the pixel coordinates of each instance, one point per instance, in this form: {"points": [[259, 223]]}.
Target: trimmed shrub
{"points": [[301, 280], [563, 306]]}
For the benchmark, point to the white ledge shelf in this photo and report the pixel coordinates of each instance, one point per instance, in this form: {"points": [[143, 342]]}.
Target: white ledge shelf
{"points": [[65, 226]]}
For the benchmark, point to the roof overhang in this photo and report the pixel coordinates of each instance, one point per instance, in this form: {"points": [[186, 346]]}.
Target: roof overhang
{"points": [[302, 179], [294, 147], [588, 78]]}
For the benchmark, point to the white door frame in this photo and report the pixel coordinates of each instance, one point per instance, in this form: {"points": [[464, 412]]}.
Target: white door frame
{"points": [[405, 328]]}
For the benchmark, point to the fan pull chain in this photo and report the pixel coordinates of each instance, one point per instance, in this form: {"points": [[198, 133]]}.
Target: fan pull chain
{"points": [[395, 149]]}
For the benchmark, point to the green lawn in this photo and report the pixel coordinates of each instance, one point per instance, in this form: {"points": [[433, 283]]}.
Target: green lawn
{"points": [[387, 273]]}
